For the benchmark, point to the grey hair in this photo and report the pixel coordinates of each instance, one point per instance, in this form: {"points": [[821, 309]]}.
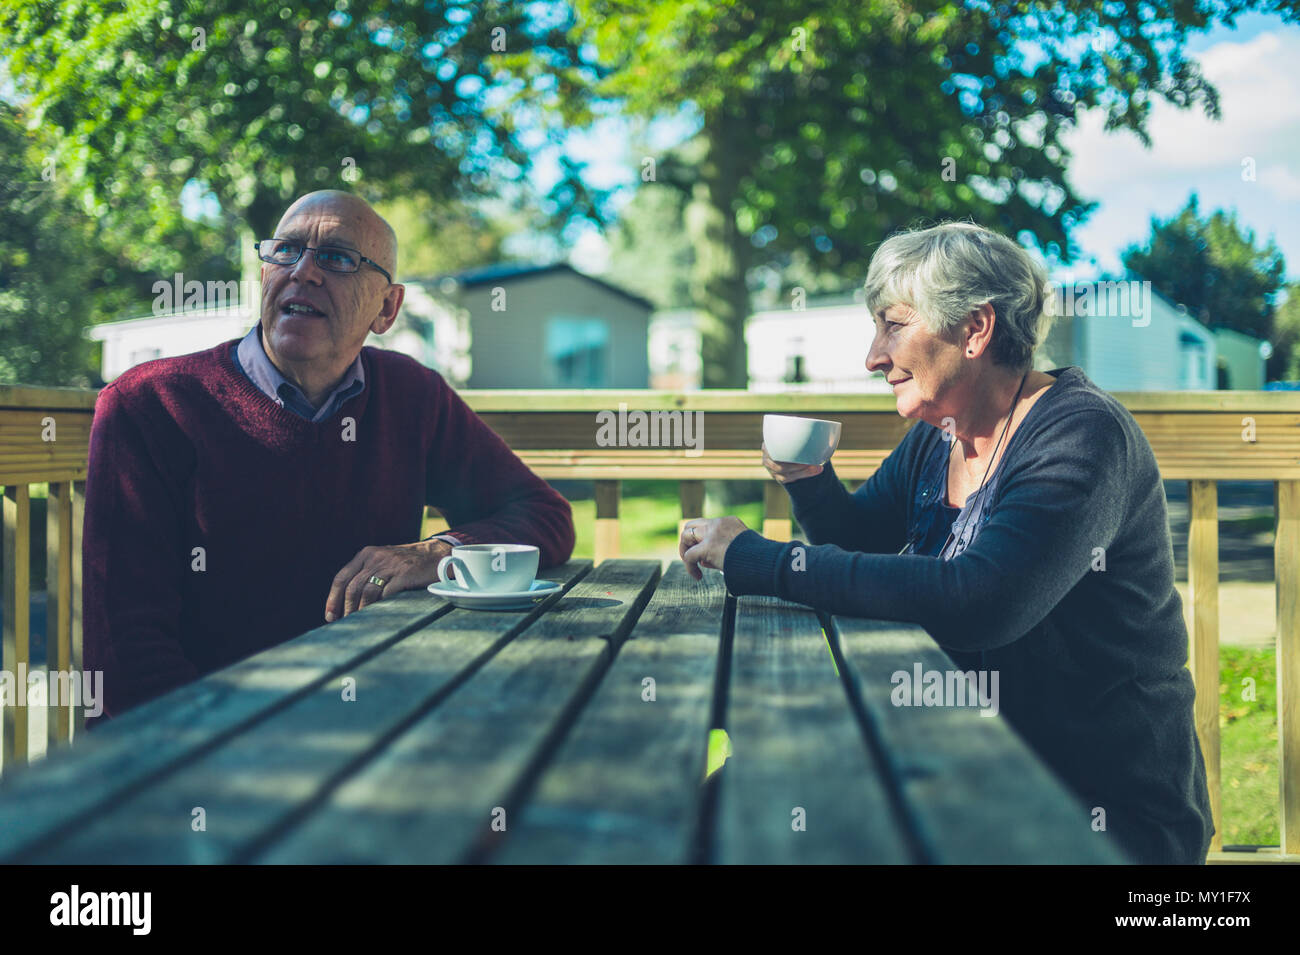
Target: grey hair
{"points": [[948, 270]]}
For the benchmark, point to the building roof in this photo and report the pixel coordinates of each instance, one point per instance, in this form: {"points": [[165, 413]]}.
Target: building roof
{"points": [[504, 272], [171, 317], [1223, 332]]}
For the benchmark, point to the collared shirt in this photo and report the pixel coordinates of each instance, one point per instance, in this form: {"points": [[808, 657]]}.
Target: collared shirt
{"points": [[250, 358]]}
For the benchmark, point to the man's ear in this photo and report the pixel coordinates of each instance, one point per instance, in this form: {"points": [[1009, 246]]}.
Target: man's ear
{"points": [[392, 305]]}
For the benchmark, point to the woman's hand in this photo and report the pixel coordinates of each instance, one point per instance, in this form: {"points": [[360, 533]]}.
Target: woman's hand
{"points": [[704, 542], [785, 472]]}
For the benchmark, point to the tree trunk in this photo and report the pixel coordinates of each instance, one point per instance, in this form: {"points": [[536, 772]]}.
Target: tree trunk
{"points": [[721, 258]]}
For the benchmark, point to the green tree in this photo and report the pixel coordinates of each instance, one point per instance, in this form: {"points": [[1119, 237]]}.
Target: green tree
{"points": [[1284, 363], [828, 124], [55, 275], [649, 254], [437, 238], [1213, 267], [262, 100]]}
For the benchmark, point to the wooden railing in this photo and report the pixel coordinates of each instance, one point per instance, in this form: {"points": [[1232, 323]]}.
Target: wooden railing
{"points": [[1198, 437], [44, 435]]}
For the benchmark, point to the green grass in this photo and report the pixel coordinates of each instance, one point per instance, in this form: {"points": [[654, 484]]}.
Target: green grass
{"points": [[1248, 746], [648, 516]]}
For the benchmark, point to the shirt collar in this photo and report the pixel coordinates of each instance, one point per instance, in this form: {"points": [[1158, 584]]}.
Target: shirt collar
{"points": [[262, 372]]}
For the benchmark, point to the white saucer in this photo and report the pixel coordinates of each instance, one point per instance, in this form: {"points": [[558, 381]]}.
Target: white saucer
{"points": [[507, 600]]}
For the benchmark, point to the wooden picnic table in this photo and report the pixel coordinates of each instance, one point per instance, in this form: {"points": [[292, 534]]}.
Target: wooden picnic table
{"points": [[538, 736]]}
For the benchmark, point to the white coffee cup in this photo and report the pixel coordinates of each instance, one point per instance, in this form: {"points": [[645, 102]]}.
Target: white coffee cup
{"points": [[492, 568], [796, 440]]}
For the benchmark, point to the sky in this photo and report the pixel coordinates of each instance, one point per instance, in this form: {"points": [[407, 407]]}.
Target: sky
{"points": [[1253, 68]]}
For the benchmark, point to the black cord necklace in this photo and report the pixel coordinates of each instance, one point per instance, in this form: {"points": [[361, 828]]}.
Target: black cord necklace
{"points": [[957, 533]]}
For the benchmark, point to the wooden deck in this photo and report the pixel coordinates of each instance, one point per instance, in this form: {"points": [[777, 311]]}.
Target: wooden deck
{"points": [[580, 731]]}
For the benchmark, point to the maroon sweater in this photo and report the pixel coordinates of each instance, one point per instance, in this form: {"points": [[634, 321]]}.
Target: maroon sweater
{"points": [[187, 453]]}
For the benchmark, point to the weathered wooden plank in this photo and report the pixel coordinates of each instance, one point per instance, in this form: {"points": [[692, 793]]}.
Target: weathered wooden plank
{"points": [[29, 450], [42, 475], [625, 786], [28, 396], [691, 495], [606, 544], [432, 795], [776, 512], [486, 401], [848, 468], [798, 754], [257, 780], [58, 616], [75, 604], [529, 431], [17, 621], [1286, 570], [974, 791], [1205, 471], [1203, 588], [71, 789], [734, 465]]}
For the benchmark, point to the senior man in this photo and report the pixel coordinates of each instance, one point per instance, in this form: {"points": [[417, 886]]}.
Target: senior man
{"points": [[244, 494]]}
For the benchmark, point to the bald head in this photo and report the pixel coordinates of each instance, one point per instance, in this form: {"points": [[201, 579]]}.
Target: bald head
{"points": [[373, 235]]}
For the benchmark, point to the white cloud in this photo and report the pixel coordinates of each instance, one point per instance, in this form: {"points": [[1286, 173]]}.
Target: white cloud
{"points": [[1259, 99]]}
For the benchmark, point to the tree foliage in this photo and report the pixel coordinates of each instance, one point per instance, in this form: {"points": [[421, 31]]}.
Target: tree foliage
{"points": [[1213, 267], [830, 124], [55, 275], [1284, 363], [262, 100]]}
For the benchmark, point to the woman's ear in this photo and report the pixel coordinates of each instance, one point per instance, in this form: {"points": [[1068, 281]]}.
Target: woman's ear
{"points": [[980, 333]]}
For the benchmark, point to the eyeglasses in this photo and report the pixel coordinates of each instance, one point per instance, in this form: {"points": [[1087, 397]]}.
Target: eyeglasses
{"points": [[331, 258]]}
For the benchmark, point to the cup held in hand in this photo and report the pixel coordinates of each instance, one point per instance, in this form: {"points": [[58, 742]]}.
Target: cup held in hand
{"points": [[492, 568], [796, 440]]}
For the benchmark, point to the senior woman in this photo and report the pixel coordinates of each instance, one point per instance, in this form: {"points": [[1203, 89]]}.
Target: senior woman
{"points": [[1022, 523]]}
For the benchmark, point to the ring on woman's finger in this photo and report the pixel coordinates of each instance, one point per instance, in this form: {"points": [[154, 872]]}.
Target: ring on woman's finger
{"points": [[377, 581]]}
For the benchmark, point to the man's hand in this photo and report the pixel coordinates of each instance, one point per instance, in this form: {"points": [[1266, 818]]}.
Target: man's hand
{"points": [[704, 542], [400, 567]]}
